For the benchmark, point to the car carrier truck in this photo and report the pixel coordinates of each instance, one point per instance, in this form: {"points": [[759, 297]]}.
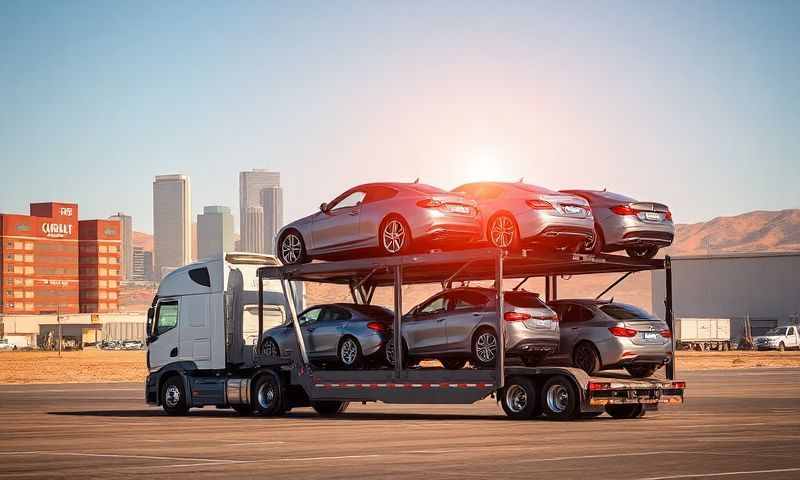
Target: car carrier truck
{"points": [[206, 323]]}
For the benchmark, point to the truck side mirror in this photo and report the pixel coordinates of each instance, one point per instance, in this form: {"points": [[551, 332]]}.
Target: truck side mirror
{"points": [[151, 312]]}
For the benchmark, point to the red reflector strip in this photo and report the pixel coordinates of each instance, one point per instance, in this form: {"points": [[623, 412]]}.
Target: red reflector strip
{"points": [[595, 386], [678, 384]]}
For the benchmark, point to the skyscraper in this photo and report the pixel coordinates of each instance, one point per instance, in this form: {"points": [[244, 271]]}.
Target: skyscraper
{"points": [[250, 185], [172, 223], [253, 238], [137, 274], [126, 222], [214, 231], [272, 204]]}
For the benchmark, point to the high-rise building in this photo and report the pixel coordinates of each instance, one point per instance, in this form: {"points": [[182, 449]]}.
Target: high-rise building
{"points": [[250, 185], [126, 260], [137, 274], [100, 263], [172, 223], [149, 275], [272, 204], [214, 231], [253, 238]]}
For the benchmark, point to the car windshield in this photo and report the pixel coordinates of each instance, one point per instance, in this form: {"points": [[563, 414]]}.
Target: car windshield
{"points": [[621, 311], [426, 189], [373, 312], [534, 188], [776, 331], [524, 300]]}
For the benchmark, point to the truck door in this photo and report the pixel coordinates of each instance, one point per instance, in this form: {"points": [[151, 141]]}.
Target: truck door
{"points": [[164, 339], [195, 331]]}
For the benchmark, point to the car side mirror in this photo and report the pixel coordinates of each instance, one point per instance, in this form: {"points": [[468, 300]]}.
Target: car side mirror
{"points": [[323, 207]]}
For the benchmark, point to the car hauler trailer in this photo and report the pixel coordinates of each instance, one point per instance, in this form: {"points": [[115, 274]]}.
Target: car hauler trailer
{"points": [[271, 386]]}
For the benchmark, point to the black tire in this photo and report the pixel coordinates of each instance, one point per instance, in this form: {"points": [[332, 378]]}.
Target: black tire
{"points": [[642, 371], [533, 359], [625, 411], [590, 415], [642, 252], [349, 353], [173, 396], [599, 240], [502, 232], [559, 398], [781, 347], [388, 358], [271, 348], [585, 357], [267, 396], [518, 398], [329, 408], [243, 410], [389, 226], [453, 363], [482, 347], [283, 251]]}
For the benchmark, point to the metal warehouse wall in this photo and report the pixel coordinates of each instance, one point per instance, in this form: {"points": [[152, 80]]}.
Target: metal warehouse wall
{"points": [[120, 331], [765, 287]]}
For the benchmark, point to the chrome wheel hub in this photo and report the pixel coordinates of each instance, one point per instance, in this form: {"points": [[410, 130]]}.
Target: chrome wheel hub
{"points": [[486, 347], [266, 395], [502, 232], [173, 396], [557, 398], [394, 236], [516, 398], [349, 352], [291, 248]]}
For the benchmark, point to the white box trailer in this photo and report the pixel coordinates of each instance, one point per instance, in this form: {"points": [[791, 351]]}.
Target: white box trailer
{"points": [[703, 333]]}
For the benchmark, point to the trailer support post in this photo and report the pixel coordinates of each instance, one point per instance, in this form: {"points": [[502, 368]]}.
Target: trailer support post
{"points": [[260, 312], [287, 292], [547, 289], [398, 315], [668, 312], [501, 337], [555, 287]]}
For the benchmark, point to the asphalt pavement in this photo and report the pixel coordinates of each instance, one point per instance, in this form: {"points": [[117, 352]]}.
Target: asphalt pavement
{"points": [[735, 424]]}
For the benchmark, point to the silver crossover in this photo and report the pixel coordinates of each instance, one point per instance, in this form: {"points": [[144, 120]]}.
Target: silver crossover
{"points": [[518, 214], [458, 325], [598, 335], [348, 334], [622, 223], [390, 217]]}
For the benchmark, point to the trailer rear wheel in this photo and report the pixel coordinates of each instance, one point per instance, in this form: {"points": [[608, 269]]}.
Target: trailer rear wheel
{"points": [[560, 398], [625, 411], [329, 408], [518, 398], [267, 399]]}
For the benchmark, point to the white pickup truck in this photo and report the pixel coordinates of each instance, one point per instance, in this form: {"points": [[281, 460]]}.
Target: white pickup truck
{"points": [[778, 338]]}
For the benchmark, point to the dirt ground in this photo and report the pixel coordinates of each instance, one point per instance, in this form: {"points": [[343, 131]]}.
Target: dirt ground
{"points": [[98, 366]]}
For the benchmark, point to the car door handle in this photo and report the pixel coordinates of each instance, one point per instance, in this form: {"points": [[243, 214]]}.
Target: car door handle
{"points": [[574, 328], [441, 320], [476, 314], [174, 352]]}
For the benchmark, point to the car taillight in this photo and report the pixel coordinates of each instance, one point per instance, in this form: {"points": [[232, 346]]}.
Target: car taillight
{"points": [[595, 386], [516, 316], [668, 215], [539, 204], [678, 384], [666, 333], [430, 203], [622, 332], [377, 326], [624, 210]]}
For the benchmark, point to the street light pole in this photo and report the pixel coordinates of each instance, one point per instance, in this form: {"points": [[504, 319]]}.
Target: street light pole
{"points": [[60, 332]]}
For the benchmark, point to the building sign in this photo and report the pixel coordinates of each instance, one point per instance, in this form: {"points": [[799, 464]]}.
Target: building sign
{"points": [[110, 232], [66, 211], [56, 230], [23, 227]]}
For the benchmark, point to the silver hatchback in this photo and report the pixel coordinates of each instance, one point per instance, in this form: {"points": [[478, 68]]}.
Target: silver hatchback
{"points": [[600, 335], [458, 325]]}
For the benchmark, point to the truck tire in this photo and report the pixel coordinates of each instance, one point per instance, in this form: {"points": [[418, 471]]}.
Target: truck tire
{"points": [[560, 399], [625, 411], [641, 371], [329, 408], [173, 396], [267, 396], [243, 410], [518, 398]]}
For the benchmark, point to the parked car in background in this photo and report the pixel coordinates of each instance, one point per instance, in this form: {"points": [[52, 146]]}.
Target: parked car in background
{"points": [[5, 344], [601, 335], [349, 334], [623, 223], [778, 338], [458, 325], [132, 345], [518, 214], [392, 218]]}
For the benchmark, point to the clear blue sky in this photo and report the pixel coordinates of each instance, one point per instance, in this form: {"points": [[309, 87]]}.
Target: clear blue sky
{"points": [[696, 104]]}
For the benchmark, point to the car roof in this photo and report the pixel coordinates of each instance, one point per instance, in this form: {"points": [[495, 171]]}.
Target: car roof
{"points": [[581, 301], [392, 185]]}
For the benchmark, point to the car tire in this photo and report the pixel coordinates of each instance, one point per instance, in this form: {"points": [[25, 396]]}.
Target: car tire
{"points": [[559, 398], [394, 236], [642, 371], [173, 396], [518, 398], [599, 241], [585, 357], [349, 353], [484, 342], [389, 358], [267, 396], [533, 360], [271, 348], [453, 363], [642, 252], [625, 411], [502, 232], [292, 248], [329, 408]]}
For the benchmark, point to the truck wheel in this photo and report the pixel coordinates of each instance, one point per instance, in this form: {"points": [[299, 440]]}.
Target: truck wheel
{"points": [[267, 396], [518, 398], [625, 411], [243, 410], [173, 396], [585, 357], [329, 408], [642, 371], [560, 398]]}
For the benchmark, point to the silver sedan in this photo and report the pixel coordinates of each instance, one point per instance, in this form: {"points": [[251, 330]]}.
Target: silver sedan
{"points": [[519, 214], [392, 218], [622, 223]]}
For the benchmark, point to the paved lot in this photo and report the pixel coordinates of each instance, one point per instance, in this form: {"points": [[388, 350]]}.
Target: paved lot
{"points": [[736, 424]]}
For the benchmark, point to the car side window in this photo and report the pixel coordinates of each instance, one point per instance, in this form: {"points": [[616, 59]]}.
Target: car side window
{"points": [[376, 194], [468, 301], [436, 305], [352, 200], [333, 314], [584, 314], [310, 316], [490, 192], [166, 316], [568, 314]]}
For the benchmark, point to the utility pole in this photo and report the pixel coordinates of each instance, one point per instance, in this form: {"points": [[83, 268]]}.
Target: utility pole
{"points": [[60, 333]]}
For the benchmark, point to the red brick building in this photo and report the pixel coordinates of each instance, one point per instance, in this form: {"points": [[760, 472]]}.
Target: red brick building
{"points": [[99, 265], [39, 261]]}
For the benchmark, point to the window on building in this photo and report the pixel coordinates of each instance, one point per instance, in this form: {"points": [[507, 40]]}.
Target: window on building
{"points": [[113, 249], [28, 307], [103, 306], [29, 294], [18, 269], [19, 294], [102, 295], [102, 249], [102, 272], [103, 283], [112, 284], [102, 260], [112, 295], [28, 270], [29, 258], [28, 245], [113, 273], [28, 282], [18, 246]]}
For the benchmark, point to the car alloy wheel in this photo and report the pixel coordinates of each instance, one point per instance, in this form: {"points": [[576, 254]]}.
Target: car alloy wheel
{"points": [[291, 248], [486, 347], [348, 353], [502, 231], [394, 236]]}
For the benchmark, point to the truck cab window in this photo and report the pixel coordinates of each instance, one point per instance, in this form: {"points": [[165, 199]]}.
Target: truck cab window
{"points": [[166, 317]]}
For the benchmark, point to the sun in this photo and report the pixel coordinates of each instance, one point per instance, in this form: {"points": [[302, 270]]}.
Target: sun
{"points": [[484, 164]]}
